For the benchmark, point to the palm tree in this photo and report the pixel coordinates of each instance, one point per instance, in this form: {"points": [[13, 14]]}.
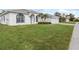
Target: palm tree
{"points": [[57, 14], [45, 16], [41, 16], [71, 17]]}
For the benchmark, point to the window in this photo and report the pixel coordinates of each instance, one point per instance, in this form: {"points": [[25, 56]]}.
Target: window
{"points": [[20, 18]]}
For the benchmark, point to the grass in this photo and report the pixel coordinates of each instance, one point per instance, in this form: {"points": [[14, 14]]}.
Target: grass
{"points": [[35, 37]]}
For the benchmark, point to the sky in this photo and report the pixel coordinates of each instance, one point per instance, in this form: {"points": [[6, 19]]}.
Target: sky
{"points": [[66, 11]]}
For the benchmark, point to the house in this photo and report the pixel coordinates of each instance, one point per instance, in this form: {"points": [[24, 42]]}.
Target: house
{"points": [[53, 19], [77, 18], [23, 17], [67, 18]]}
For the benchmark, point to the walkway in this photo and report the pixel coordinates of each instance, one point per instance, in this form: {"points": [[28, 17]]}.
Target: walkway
{"points": [[74, 44], [65, 24]]}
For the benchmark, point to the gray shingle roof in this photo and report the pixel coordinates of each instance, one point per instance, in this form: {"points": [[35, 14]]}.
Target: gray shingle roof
{"points": [[24, 11]]}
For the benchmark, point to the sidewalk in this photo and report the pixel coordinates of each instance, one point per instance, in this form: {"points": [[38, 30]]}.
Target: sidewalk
{"points": [[65, 24], [74, 44]]}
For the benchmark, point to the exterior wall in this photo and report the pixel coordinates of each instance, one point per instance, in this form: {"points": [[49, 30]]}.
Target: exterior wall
{"points": [[42, 20], [4, 19], [39, 19], [12, 19], [67, 20], [48, 20], [0, 19], [52, 20], [55, 21], [27, 19]]}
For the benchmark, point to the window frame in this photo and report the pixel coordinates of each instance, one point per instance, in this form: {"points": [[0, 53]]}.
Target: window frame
{"points": [[20, 18]]}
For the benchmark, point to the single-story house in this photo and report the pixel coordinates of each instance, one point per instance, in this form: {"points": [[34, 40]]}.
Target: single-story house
{"points": [[23, 16]]}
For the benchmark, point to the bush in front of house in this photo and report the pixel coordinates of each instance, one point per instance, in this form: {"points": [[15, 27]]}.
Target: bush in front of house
{"points": [[76, 20], [44, 22], [62, 19]]}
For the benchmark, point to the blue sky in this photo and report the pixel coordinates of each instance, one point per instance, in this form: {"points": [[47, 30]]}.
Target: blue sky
{"points": [[67, 11]]}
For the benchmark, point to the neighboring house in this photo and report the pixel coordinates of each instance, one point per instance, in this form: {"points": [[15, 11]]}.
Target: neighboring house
{"points": [[67, 18], [77, 18], [23, 16], [53, 19]]}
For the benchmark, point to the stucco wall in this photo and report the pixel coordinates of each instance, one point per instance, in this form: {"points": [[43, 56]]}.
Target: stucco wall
{"points": [[27, 19], [67, 20], [6, 19], [2, 20], [55, 21], [12, 19]]}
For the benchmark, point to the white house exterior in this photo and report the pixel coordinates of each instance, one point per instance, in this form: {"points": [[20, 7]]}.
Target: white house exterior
{"points": [[67, 18], [54, 19], [23, 17]]}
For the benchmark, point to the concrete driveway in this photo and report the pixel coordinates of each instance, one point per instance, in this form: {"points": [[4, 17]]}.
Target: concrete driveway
{"points": [[74, 44]]}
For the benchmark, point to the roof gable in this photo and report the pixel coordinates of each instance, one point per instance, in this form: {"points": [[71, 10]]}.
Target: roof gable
{"points": [[24, 11]]}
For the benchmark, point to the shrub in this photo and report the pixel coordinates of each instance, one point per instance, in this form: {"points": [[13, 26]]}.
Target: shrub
{"points": [[62, 19], [76, 20], [44, 22]]}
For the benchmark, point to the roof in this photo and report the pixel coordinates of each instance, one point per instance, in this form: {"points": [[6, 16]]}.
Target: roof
{"points": [[24, 11]]}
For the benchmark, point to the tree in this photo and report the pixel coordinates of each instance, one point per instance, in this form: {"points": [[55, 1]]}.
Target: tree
{"points": [[62, 19], [45, 16], [57, 14], [71, 17], [41, 16]]}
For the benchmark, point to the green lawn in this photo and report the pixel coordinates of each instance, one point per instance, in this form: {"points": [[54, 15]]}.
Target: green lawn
{"points": [[35, 37]]}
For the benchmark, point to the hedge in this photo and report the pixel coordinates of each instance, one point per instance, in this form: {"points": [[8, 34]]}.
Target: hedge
{"points": [[44, 22]]}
